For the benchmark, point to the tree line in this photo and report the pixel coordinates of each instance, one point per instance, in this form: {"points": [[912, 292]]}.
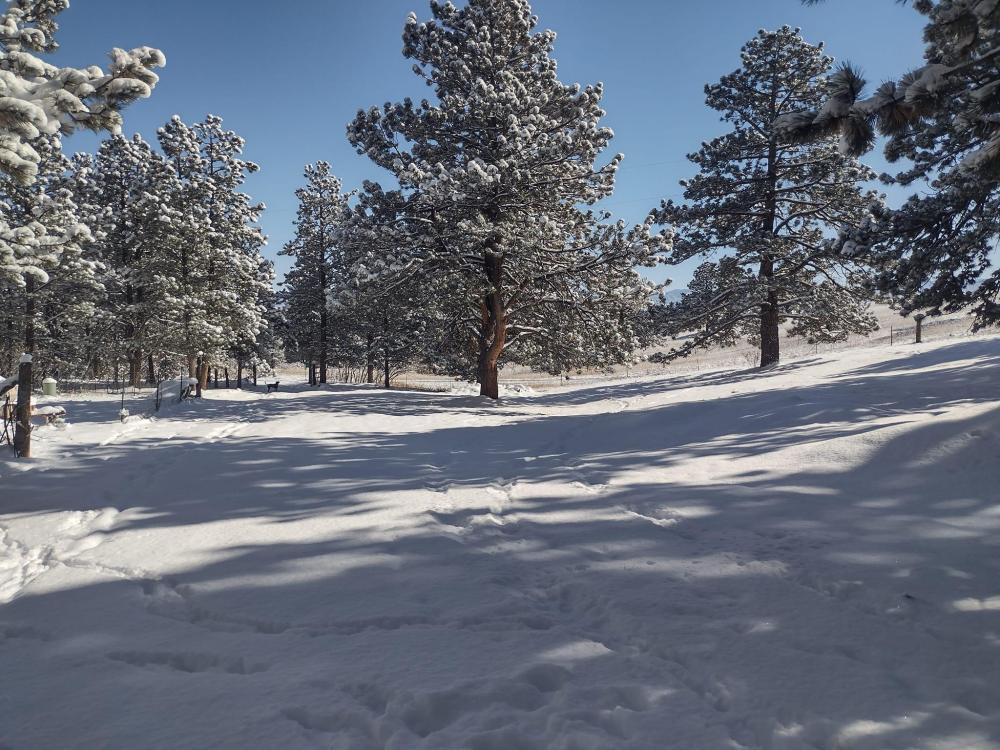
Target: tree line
{"points": [[485, 244], [157, 263]]}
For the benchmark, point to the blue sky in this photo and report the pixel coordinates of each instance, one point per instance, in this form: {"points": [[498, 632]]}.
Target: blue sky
{"points": [[289, 76]]}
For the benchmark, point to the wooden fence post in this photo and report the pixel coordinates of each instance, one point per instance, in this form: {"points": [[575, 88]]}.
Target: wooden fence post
{"points": [[919, 318], [22, 428]]}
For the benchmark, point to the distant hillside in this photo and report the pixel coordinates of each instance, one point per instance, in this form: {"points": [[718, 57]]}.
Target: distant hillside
{"points": [[671, 295]]}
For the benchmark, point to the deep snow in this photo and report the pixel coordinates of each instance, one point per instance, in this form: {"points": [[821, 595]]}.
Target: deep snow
{"points": [[805, 558]]}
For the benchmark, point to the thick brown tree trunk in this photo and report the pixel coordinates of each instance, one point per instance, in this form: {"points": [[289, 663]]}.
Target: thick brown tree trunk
{"points": [[239, 373], [493, 334], [770, 342], [255, 376], [489, 379], [203, 376]]}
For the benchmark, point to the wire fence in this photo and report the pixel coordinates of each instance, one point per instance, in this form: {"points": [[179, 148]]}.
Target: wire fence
{"points": [[743, 355]]}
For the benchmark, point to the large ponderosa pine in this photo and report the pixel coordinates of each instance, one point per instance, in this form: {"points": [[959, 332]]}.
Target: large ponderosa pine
{"points": [[494, 175], [937, 251], [771, 205]]}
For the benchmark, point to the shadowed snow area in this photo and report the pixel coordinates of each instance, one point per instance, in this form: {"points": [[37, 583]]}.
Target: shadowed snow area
{"points": [[806, 558]]}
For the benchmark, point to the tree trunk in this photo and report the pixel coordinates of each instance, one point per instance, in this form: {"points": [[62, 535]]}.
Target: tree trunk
{"points": [[255, 376], [770, 346], [493, 334], [22, 427], [322, 343], [239, 374], [770, 340], [387, 371], [216, 384], [370, 357], [151, 370], [29, 314], [135, 368], [489, 378], [203, 375], [226, 372]]}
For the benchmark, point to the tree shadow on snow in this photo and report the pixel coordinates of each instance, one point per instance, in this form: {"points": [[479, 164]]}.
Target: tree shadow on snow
{"points": [[666, 610]]}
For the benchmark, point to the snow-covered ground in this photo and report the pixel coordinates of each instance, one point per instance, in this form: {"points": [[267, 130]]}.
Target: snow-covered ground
{"points": [[807, 558]]}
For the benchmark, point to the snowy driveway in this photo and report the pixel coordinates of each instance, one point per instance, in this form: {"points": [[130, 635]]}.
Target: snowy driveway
{"points": [[808, 558]]}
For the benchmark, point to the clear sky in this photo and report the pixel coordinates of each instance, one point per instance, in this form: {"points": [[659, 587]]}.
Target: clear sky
{"points": [[289, 76]]}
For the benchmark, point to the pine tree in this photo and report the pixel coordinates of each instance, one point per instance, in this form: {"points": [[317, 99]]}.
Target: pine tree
{"points": [[772, 204], [318, 265], [711, 302], [129, 188], [59, 285], [39, 99], [213, 304], [382, 333], [941, 118], [493, 175], [264, 355]]}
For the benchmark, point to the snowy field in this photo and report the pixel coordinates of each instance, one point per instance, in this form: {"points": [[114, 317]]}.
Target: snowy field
{"points": [[806, 559]]}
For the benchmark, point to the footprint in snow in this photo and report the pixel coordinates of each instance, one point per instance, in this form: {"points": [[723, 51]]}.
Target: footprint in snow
{"points": [[187, 661]]}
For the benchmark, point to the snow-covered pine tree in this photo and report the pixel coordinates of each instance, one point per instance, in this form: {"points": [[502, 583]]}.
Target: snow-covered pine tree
{"points": [[943, 118], [300, 321], [493, 174], [59, 285], [39, 101], [318, 265], [709, 304], [265, 353], [251, 354], [219, 281], [381, 333], [128, 189], [772, 204]]}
